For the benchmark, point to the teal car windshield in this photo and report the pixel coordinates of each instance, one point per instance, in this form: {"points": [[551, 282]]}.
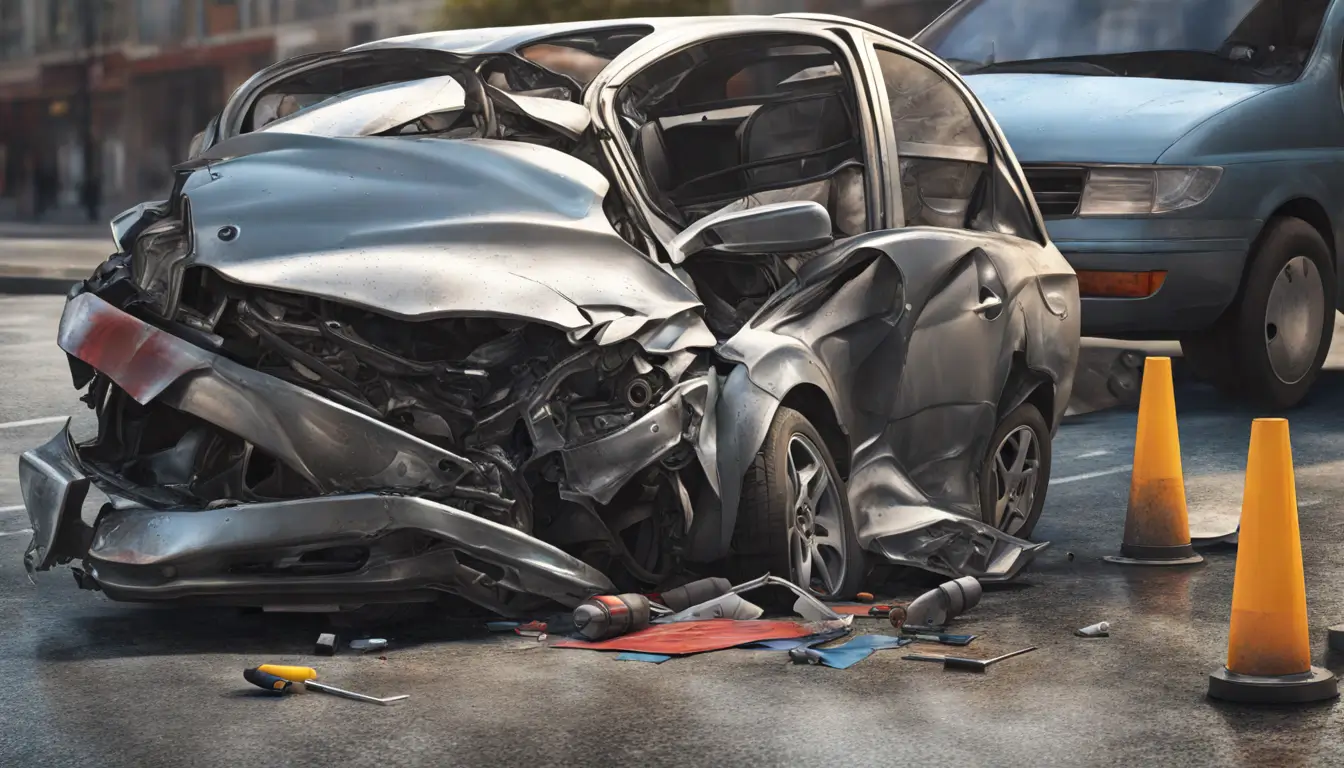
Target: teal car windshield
{"points": [[1245, 41]]}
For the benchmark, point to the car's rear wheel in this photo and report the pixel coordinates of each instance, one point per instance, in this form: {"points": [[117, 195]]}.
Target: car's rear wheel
{"points": [[1016, 472], [1268, 348], [794, 519]]}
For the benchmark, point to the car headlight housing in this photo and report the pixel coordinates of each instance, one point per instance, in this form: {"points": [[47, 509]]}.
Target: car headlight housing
{"points": [[1140, 191], [156, 262]]}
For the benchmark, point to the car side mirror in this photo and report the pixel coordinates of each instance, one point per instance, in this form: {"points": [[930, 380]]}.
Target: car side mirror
{"points": [[791, 227]]}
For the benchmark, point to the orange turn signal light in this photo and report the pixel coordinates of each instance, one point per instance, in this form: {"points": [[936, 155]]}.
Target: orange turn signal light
{"points": [[1119, 285]]}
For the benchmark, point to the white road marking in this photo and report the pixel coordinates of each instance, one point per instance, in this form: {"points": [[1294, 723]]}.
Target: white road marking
{"points": [[15, 533], [15, 508], [1093, 454], [1091, 475], [33, 422]]}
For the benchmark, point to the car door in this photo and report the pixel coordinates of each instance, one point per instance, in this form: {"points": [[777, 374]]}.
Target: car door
{"points": [[968, 248]]}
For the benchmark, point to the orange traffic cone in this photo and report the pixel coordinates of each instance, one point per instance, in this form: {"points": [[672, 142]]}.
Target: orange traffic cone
{"points": [[1268, 650], [1157, 526]]}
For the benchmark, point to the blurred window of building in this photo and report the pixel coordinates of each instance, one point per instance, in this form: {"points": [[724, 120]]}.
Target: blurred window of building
{"points": [[306, 10], [11, 29], [359, 4], [363, 32], [159, 21], [221, 17]]}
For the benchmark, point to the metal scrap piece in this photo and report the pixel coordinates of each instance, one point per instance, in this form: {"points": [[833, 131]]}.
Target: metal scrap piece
{"points": [[732, 606]]}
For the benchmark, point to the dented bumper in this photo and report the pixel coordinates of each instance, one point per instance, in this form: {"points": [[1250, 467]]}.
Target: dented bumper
{"points": [[136, 553]]}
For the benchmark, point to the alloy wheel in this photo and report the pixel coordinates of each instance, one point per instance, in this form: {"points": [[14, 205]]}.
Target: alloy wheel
{"points": [[817, 553], [1294, 319], [1017, 462]]}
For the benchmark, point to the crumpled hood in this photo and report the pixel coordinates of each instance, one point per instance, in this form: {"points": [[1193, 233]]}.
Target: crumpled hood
{"points": [[1082, 118], [418, 228]]}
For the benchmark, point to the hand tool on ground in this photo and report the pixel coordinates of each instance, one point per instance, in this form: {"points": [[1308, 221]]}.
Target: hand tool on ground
{"points": [[282, 679], [973, 665], [937, 637]]}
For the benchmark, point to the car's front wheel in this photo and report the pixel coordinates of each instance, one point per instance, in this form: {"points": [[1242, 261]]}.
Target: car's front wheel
{"points": [[794, 519], [1015, 473], [1270, 345]]}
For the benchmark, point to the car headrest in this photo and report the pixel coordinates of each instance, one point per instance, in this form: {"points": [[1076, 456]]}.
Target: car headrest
{"points": [[814, 130]]}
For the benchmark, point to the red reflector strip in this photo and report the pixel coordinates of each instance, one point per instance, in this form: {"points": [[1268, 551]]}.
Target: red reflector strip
{"points": [[1119, 285], [141, 359]]}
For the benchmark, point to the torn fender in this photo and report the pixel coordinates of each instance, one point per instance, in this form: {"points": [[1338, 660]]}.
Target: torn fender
{"points": [[946, 543]]}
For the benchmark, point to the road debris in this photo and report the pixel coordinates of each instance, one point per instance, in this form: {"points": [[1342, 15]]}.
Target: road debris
{"points": [[938, 606], [865, 597], [694, 593], [733, 606], [365, 645], [897, 616], [938, 637], [848, 654], [652, 658], [607, 616], [326, 644], [969, 665], [685, 638], [1100, 629], [283, 680]]}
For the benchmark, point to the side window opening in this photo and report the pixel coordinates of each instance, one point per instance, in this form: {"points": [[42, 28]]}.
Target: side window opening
{"points": [[740, 122], [943, 156]]}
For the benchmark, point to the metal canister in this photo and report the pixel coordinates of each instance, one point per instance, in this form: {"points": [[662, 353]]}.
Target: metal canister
{"points": [[897, 616], [695, 593], [607, 616]]}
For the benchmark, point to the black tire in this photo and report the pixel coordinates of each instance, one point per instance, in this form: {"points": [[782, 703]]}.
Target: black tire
{"points": [[1234, 355], [1029, 417], [761, 540]]}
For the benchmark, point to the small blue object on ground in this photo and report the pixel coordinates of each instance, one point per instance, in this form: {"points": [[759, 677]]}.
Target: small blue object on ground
{"points": [[652, 658], [858, 649]]}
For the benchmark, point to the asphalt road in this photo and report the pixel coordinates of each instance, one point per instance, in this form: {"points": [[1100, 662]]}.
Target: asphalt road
{"points": [[91, 683]]}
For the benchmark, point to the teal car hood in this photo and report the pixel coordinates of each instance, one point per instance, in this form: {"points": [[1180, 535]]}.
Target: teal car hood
{"points": [[1090, 119]]}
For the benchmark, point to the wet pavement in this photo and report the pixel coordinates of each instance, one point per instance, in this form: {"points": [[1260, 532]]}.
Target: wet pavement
{"points": [[91, 683]]}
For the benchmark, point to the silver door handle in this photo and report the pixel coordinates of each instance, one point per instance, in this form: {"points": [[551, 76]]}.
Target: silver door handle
{"points": [[991, 303]]}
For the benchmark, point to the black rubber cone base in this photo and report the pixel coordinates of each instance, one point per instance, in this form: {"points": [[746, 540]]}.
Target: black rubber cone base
{"points": [[1134, 554], [1317, 685]]}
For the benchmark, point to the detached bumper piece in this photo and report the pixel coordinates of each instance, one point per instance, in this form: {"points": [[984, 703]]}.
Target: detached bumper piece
{"points": [[54, 488]]}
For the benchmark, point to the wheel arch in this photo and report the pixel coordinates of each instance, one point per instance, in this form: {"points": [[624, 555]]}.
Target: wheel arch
{"points": [[1026, 385], [811, 401], [1305, 208]]}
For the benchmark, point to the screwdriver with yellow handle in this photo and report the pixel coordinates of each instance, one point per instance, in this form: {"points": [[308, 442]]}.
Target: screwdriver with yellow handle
{"points": [[281, 679]]}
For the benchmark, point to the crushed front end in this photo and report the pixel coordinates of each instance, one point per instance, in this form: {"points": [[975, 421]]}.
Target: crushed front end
{"points": [[260, 447]]}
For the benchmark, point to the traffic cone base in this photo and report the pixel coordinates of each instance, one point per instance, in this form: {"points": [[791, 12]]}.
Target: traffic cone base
{"points": [[1174, 558], [1315, 685]]}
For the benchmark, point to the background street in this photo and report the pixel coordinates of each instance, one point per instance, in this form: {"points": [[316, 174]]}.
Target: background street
{"points": [[92, 683]]}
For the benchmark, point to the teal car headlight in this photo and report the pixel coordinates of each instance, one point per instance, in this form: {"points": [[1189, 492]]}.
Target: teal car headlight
{"points": [[1138, 191]]}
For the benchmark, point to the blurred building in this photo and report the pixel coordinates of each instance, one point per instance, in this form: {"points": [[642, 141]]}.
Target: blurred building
{"points": [[904, 17], [154, 71]]}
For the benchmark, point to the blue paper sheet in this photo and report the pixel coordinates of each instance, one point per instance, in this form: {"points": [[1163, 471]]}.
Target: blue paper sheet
{"points": [[782, 645], [858, 649], [652, 658]]}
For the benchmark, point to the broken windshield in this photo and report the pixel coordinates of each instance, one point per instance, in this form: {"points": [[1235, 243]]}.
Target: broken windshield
{"points": [[1220, 40]]}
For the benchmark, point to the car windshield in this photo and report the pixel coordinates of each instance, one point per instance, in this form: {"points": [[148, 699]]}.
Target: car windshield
{"points": [[1219, 40]]}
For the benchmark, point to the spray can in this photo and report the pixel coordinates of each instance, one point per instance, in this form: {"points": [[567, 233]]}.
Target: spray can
{"points": [[607, 616]]}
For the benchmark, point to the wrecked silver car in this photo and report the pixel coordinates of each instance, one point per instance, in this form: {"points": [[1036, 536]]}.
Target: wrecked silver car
{"points": [[534, 314]]}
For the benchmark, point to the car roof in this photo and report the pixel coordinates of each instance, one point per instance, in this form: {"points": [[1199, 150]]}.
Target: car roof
{"points": [[509, 39]]}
